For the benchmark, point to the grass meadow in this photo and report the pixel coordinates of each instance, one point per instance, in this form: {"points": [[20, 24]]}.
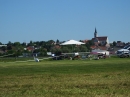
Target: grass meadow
{"points": [[66, 78]]}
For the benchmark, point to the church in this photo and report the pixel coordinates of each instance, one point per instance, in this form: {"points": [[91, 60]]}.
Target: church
{"points": [[100, 42]]}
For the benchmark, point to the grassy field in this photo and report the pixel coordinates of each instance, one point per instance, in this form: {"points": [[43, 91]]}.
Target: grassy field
{"points": [[66, 78]]}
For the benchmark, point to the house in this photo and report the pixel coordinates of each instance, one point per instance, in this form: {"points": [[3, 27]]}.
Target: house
{"points": [[85, 41], [30, 48], [120, 44], [100, 42]]}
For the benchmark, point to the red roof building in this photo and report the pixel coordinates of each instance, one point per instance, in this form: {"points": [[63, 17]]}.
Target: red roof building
{"points": [[100, 42]]}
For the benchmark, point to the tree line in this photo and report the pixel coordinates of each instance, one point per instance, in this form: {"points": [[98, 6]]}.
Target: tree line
{"points": [[42, 47]]}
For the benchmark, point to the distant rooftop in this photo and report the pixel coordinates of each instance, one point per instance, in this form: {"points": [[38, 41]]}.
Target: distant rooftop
{"points": [[2, 45]]}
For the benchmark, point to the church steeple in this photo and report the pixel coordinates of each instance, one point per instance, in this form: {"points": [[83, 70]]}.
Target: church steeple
{"points": [[95, 33]]}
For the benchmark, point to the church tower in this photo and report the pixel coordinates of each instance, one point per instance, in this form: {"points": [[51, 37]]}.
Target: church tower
{"points": [[95, 33]]}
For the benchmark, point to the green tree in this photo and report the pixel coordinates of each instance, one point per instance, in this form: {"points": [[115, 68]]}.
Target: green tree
{"points": [[83, 48], [114, 43], [9, 47], [37, 43], [56, 51], [17, 53], [0, 43], [76, 49], [3, 48], [49, 45], [65, 50], [42, 43], [11, 52], [16, 44], [31, 43], [43, 52], [23, 44]]}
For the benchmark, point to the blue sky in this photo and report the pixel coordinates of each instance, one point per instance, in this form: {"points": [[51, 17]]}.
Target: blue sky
{"points": [[43, 20]]}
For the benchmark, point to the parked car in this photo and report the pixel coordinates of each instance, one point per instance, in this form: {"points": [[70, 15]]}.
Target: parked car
{"points": [[125, 52]]}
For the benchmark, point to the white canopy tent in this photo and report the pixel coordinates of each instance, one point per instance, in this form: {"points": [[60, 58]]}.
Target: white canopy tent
{"points": [[72, 42]]}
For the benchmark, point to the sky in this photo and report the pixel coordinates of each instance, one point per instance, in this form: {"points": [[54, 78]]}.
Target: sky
{"points": [[43, 20]]}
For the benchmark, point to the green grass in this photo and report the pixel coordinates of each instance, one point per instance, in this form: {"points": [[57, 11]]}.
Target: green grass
{"points": [[12, 59], [66, 78]]}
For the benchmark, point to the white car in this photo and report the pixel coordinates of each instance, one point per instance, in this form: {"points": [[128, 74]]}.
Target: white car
{"points": [[123, 53]]}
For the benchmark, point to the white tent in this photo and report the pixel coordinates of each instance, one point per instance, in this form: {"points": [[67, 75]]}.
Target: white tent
{"points": [[70, 42]]}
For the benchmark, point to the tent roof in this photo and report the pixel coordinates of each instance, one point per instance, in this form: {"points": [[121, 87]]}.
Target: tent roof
{"points": [[72, 42]]}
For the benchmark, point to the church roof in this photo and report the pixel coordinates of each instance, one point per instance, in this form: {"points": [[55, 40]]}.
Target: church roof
{"points": [[101, 38], [98, 47]]}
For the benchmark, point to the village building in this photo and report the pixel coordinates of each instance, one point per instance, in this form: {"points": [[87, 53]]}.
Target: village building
{"points": [[100, 42], [120, 44]]}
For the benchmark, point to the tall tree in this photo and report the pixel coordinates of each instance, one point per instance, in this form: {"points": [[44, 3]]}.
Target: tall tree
{"points": [[83, 48], [65, 49], [9, 43], [16, 44], [31, 43], [114, 43], [23, 44], [0, 43]]}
